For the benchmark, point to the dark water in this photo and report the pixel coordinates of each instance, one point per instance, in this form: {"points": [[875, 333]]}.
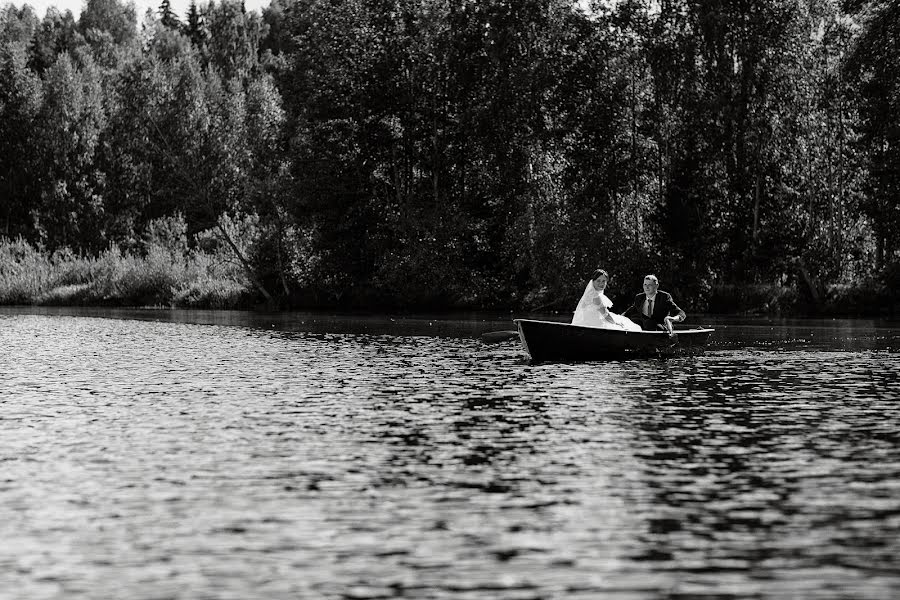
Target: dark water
{"points": [[157, 454]]}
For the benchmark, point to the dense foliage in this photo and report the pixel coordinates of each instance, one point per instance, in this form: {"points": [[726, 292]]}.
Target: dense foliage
{"points": [[452, 153]]}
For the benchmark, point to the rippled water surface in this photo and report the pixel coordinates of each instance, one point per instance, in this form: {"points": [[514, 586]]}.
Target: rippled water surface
{"points": [[157, 454]]}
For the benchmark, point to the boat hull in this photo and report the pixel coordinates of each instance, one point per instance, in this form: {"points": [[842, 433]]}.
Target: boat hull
{"points": [[552, 341]]}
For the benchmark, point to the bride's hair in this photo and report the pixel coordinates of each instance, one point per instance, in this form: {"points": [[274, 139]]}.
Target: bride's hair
{"points": [[597, 273]]}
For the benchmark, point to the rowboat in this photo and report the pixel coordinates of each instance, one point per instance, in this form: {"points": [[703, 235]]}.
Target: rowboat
{"points": [[553, 341]]}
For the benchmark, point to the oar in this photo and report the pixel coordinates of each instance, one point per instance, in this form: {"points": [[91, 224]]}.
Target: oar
{"points": [[494, 337]]}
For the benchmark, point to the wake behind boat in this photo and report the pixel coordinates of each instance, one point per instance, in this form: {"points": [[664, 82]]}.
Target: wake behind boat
{"points": [[553, 341]]}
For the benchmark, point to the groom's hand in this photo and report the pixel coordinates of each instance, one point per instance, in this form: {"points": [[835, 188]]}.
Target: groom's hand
{"points": [[669, 324]]}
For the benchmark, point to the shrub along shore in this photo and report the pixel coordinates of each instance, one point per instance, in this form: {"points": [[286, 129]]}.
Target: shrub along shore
{"points": [[163, 272], [158, 271]]}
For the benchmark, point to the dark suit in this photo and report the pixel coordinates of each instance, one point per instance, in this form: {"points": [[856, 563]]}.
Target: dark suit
{"points": [[663, 306]]}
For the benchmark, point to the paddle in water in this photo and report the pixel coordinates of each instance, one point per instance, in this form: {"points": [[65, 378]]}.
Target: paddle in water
{"points": [[494, 337]]}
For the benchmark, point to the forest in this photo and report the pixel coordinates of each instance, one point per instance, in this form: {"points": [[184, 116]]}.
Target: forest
{"points": [[452, 154]]}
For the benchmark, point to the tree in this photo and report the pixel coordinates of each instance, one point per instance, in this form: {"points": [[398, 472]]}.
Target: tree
{"points": [[234, 38], [20, 100], [875, 65], [167, 16], [70, 121], [195, 28], [17, 26], [57, 34], [117, 19]]}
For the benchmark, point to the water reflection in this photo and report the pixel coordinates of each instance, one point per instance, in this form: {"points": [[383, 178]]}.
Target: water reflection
{"points": [[153, 458], [776, 467]]}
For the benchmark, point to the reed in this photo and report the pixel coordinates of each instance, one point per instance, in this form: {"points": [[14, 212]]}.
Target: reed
{"points": [[161, 275]]}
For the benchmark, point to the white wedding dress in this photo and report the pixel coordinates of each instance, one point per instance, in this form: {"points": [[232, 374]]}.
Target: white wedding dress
{"points": [[593, 311]]}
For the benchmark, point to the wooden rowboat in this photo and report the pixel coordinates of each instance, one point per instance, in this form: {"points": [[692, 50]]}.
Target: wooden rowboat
{"points": [[552, 341]]}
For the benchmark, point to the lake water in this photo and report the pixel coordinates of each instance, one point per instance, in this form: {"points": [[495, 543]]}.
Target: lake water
{"points": [[171, 454]]}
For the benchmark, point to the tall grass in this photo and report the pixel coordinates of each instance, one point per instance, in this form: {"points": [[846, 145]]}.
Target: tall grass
{"points": [[164, 272]]}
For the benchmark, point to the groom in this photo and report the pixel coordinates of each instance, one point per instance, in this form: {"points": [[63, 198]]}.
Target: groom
{"points": [[655, 309]]}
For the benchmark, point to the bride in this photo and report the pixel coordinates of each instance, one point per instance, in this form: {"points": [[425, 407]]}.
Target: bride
{"points": [[593, 308]]}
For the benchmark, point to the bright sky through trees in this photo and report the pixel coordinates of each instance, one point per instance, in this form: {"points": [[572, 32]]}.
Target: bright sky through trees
{"points": [[179, 6]]}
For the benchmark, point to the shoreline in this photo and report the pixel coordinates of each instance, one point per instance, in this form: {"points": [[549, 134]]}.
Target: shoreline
{"points": [[834, 307], [169, 275]]}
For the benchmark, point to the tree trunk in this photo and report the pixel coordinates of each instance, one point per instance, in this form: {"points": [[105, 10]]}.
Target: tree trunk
{"points": [[756, 197], [879, 251], [245, 263], [812, 284]]}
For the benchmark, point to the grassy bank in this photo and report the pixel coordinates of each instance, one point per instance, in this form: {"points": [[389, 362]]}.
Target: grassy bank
{"points": [[158, 274]]}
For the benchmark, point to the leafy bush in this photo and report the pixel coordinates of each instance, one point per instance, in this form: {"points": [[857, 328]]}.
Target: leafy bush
{"points": [[868, 297], [753, 299]]}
